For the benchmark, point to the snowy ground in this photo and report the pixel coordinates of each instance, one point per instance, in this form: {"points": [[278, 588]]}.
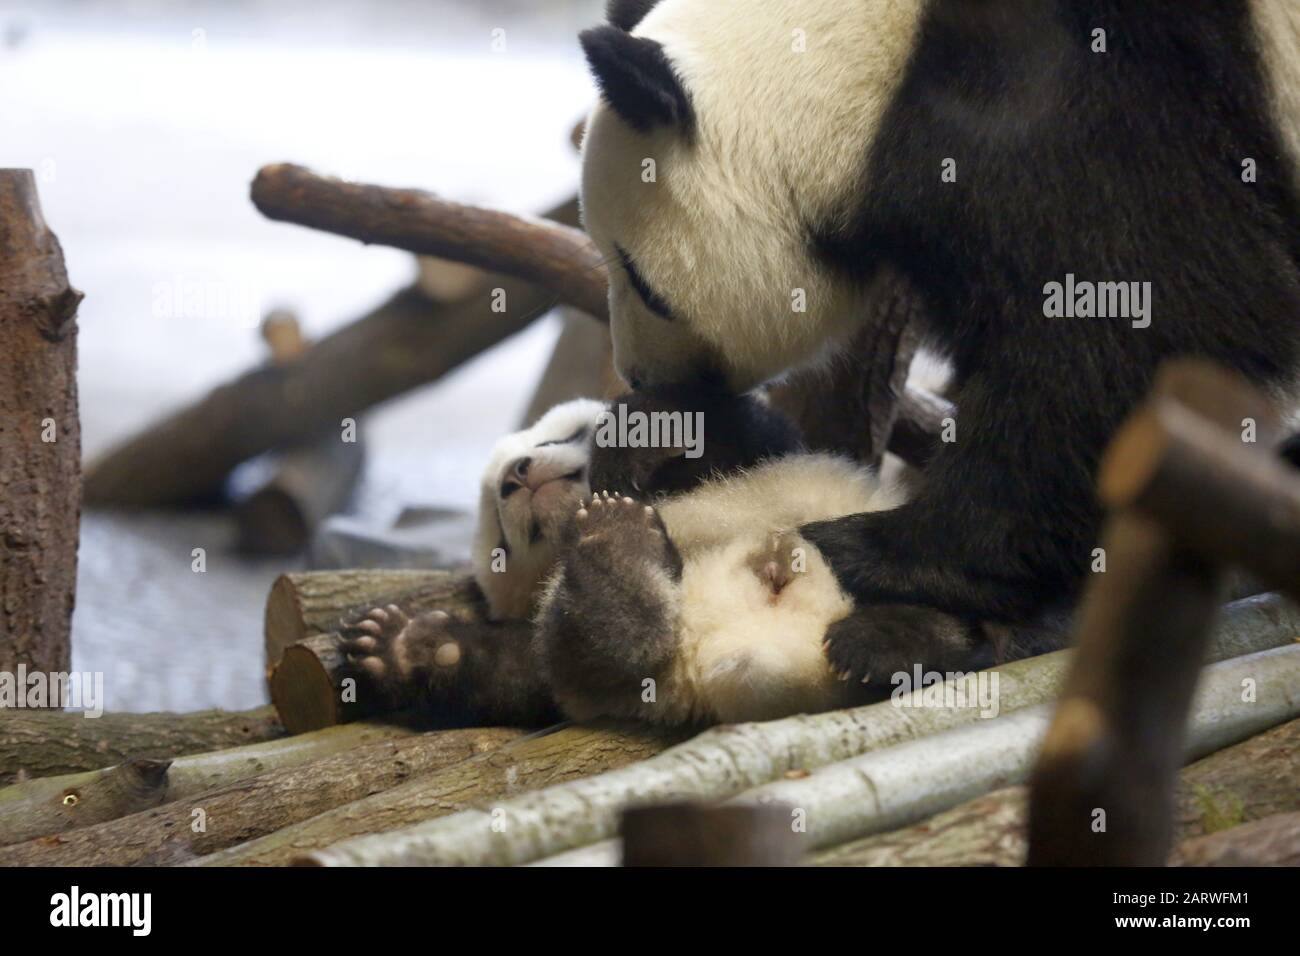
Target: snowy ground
{"points": [[145, 122]]}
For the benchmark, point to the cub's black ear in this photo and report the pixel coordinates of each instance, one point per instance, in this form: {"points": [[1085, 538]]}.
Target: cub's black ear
{"points": [[625, 14], [637, 80]]}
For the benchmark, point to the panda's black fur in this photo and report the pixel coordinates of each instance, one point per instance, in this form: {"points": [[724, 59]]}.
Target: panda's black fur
{"points": [[1117, 166]]}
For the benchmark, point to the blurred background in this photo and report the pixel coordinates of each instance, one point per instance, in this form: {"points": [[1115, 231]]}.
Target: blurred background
{"points": [[145, 121]]}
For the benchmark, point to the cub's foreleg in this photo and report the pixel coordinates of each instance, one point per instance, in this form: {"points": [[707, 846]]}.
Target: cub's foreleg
{"points": [[608, 624], [456, 673]]}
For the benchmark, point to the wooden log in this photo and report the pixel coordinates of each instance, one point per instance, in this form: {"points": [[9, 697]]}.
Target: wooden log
{"points": [[1273, 841], [534, 762], [406, 342], [40, 441], [43, 743], [215, 819], [1103, 785], [54, 804], [420, 222], [1256, 778], [691, 834], [1214, 493], [311, 480], [37, 807]]}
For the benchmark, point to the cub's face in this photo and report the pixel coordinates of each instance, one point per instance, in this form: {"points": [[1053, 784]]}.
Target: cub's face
{"points": [[730, 138], [530, 488]]}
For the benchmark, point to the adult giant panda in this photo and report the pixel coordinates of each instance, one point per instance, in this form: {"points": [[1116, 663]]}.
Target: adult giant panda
{"points": [[753, 164]]}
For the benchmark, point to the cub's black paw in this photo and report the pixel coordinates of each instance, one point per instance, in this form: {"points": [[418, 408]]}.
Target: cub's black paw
{"points": [[395, 655], [877, 641], [620, 523]]}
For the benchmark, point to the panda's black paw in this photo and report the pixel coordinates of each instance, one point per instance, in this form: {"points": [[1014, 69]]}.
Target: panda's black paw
{"points": [[619, 528], [876, 642]]}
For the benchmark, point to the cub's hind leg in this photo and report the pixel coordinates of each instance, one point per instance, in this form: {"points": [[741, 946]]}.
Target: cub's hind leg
{"points": [[608, 624], [453, 672]]}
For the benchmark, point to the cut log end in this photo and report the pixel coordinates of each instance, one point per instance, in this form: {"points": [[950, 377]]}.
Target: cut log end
{"points": [[304, 686]]}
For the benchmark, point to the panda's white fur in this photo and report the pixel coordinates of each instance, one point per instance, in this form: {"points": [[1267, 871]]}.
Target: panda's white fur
{"points": [[766, 112], [745, 652], [519, 531]]}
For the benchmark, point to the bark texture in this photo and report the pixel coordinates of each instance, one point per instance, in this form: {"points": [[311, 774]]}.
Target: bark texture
{"points": [[215, 819], [44, 743], [532, 763], [40, 437]]}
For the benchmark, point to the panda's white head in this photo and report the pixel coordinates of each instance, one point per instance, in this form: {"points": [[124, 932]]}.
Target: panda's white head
{"points": [[530, 489], [730, 132]]}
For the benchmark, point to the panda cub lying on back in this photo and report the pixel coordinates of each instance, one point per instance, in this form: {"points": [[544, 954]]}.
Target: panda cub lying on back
{"points": [[679, 592]]}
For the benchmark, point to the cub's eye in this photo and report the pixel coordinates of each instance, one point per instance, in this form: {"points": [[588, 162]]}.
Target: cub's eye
{"points": [[579, 435], [653, 301]]}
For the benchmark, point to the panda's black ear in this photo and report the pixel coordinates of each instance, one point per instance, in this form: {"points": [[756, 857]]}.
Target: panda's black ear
{"points": [[637, 80], [626, 14]]}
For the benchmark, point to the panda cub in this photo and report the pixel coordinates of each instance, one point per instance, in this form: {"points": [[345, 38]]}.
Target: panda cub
{"points": [[679, 592]]}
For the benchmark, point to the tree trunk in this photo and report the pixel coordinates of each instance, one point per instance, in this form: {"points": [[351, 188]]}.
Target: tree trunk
{"points": [[1273, 841], [36, 807], [535, 762], [40, 437], [1257, 778], [215, 819], [41, 744]]}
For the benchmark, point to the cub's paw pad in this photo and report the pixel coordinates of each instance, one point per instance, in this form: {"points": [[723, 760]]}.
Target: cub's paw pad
{"points": [[618, 518], [391, 648]]}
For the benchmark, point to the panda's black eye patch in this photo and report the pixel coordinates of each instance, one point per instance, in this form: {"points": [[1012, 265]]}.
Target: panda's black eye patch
{"points": [[653, 301]]}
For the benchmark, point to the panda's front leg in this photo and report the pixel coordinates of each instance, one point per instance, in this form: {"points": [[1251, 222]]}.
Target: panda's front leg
{"points": [[609, 620]]}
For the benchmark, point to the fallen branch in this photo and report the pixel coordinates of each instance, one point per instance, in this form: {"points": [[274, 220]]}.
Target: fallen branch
{"points": [[725, 761], [40, 439], [214, 819], [531, 763], [52, 804], [420, 222], [408, 341], [1256, 778], [43, 743]]}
